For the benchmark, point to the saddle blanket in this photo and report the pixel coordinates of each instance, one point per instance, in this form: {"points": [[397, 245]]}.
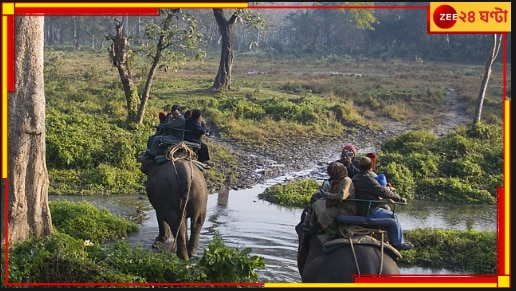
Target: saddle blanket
{"points": [[330, 244]]}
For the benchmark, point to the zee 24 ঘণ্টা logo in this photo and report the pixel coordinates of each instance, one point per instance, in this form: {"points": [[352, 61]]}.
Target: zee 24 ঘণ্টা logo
{"points": [[468, 17]]}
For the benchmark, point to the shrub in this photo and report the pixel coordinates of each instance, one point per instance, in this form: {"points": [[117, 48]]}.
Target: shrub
{"points": [[292, 193], [469, 251], [73, 254], [419, 141], [401, 178], [58, 258], [220, 263], [452, 189], [84, 221]]}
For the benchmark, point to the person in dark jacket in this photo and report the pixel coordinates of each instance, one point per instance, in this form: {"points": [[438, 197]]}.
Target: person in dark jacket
{"points": [[347, 157], [167, 126], [195, 129], [368, 188]]}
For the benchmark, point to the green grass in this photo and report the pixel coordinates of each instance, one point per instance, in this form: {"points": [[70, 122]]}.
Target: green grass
{"points": [[292, 98]]}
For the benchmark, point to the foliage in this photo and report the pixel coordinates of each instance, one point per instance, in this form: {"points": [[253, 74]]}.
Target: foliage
{"points": [[422, 166], [91, 149], [459, 166], [400, 177], [220, 263], [468, 251], [84, 221], [292, 193], [155, 267], [58, 258], [453, 190], [78, 251], [420, 141]]}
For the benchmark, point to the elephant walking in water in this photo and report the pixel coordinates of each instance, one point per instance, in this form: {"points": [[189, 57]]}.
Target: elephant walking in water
{"points": [[364, 256], [177, 191]]}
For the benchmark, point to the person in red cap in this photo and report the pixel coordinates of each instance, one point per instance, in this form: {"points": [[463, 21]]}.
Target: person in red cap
{"points": [[162, 116], [372, 156], [347, 157], [379, 177]]}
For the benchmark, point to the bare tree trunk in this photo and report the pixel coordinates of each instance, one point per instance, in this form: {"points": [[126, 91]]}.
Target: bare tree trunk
{"points": [[118, 55], [497, 41], [223, 78], [137, 33], [156, 58], [125, 26], [76, 24], [29, 213], [150, 76]]}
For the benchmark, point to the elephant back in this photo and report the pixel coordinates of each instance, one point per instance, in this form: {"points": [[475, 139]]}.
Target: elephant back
{"points": [[340, 263], [178, 192]]}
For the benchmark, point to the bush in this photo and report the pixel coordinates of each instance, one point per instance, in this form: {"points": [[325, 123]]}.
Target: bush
{"points": [[452, 189], [418, 141], [220, 263], [401, 178], [58, 258], [84, 221], [77, 252], [292, 193], [468, 251]]}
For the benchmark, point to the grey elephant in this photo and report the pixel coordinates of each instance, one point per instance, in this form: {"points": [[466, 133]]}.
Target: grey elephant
{"points": [[177, 191], [338, 263]]}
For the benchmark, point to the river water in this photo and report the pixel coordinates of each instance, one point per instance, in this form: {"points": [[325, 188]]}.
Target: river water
{"points": [[245, 221]]}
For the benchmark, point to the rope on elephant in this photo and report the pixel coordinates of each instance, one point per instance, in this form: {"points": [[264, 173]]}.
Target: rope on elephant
{"points": [[180, 151], [350, 230], [177, 152], [383, 253], [329, 245], [354, 255]]}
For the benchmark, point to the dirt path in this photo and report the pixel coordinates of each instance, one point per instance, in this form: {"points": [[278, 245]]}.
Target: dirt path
{"points": [[275, 161], [453, 116]]}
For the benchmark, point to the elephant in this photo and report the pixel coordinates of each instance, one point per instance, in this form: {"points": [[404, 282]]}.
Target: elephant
{"points": [[365, 255], [177, 190]]}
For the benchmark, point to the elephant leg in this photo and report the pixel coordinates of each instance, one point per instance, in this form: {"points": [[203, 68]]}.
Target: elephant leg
{"points": [[195, 232], [178, 231], [180, 242], [164, 229], [303, 247]]}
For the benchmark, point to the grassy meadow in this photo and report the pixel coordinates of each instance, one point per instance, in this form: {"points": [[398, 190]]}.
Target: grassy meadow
{"points": [[274, 101]]}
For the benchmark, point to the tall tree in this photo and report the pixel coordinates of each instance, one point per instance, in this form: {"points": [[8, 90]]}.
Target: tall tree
{"points": [[29, 213], [251, 19], [497, 42], [177, 30]]}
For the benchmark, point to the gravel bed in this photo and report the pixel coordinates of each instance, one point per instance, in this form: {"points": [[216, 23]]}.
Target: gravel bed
{"points": [[260, 164], [286, 156]]}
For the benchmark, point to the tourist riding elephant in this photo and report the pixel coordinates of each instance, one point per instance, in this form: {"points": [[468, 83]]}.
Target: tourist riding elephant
{"points": [[318, 265], [177, 191]]}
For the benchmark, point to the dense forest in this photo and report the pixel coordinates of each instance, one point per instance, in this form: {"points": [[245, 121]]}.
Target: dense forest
{"points": [[294, 32]]}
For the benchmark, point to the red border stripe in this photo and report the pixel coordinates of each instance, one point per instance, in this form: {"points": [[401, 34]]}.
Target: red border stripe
{"points": [[405, 278], [10, 47], [85, 11], [430, 278], [500, 241]]}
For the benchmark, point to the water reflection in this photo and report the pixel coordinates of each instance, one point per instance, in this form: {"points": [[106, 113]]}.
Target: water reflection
{"points": [[244, 221]]}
